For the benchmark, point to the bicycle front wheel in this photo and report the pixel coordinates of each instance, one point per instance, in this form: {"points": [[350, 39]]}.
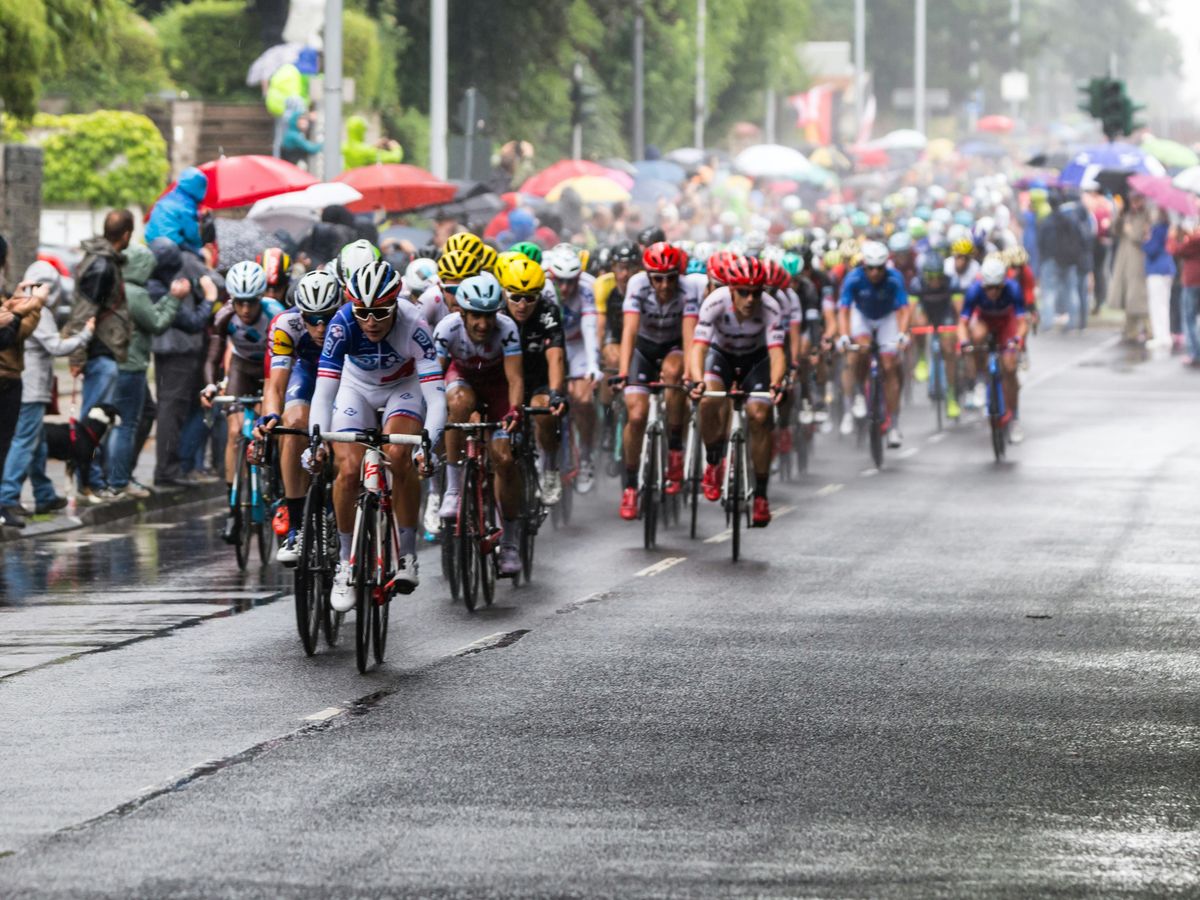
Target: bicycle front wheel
{"points": [[736, 464], [309, 573], [877, 416], [467, 539], [387, 567], [245, 510], [650, 468], [364, 581]]}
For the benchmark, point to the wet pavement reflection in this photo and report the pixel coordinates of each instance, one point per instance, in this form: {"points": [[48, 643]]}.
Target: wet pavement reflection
{"points": [[103, 587]]}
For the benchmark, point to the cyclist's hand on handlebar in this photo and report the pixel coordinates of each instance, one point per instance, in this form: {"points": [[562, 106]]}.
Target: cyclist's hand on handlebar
{"points": [[778, 393], [843, 342], [426, 465], [206, 394], [313, 460], [558, 403], [903, 340], [618, 382], [512, 420], [695, 389], [264, 425]]}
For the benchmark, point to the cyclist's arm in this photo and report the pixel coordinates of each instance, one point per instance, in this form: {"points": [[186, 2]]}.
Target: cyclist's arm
{"points": [[796, 341], [274, 390], [779, 364], [216, 345], [556, 369], [628, 339], [843, 315], [514, 372], [689, 331]]}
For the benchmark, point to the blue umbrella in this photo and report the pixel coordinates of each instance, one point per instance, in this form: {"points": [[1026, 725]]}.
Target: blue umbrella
{"points": [[1090, 161], [651, 190], [660, 170], [986, 149]]}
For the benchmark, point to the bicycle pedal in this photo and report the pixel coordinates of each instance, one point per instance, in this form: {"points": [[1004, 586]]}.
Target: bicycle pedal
{"points": [[393, 587]]}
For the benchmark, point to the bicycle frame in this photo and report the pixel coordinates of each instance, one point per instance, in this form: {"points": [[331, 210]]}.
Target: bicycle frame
{"points": [[258, 508]]}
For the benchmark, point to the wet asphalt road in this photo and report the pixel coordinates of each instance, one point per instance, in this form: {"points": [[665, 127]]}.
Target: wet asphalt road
{"points": [[948, 678]]}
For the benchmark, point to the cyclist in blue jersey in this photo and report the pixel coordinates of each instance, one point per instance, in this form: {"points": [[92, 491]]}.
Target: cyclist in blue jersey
{"points": [[873, 301]]}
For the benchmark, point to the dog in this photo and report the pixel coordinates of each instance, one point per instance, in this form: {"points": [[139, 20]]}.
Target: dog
{"points": [[88, 437]]}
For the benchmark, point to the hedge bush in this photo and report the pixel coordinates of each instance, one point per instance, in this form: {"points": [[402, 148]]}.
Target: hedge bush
{"points": [[208, 47], [122, 76]]}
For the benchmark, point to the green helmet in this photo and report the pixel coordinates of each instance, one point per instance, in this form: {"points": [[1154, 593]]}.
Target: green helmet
{"points": [[792, 263], [529, 249]]}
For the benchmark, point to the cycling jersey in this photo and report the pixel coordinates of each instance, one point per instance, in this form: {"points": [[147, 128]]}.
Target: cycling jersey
{"points": [[720, 327], [432, 305], [1010, 302], [290, 341], [454, 345], [579, 327], [937, 303], [874, 301], [541, 331], [248, 343], [959, 283], [661, 323]]}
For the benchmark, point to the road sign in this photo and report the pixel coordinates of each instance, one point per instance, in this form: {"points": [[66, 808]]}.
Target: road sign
{"points": [[1014, 87], [935, 98]]}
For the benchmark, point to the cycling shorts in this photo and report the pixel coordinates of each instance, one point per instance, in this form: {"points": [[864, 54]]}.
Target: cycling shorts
{"points": [[750, 372], [302, 381], [939, 312], [646, 365], [577, 362], [887, 330], [1002, 328], [245, 378], [490, 387], [357, 408]]}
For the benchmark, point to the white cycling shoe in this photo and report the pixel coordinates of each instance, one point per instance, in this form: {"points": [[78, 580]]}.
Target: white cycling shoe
{"points": [[586, 478], [407, 578], [551, 487], [847, 427], [859, 406], [288, 553], [449, 507], [894, 437], [341, 598], [433, 520]]}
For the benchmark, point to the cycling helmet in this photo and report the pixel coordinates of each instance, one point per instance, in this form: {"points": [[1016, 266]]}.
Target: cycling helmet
{"points": [[874, 254], [900, 242], [933, 264], [772, 253], [601, 261], [420, 275], [487, 258], [860, 220], [651, 235], [663, 258], [745, 271], [962, 217], [702, 251], [353, 255], [626, 252], [1016, 257], [942, 215], [832, 259], [530, 249], [246, 280], [917, 228], [924, 213], [276, 264], [457, 265], [718, 265], [993, 271], [775, 275], [318, 294], [464, 240], [792, 263], [374, 284], [963, 246], [563, 262], [756, 242], [802, 218], [480, 294], [696, 265], [521, 275]]}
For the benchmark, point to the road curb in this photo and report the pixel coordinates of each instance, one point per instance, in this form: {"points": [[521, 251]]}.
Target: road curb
{"points": [[112, 511]]}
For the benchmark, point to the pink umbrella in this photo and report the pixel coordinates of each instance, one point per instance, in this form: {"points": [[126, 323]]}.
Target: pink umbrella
{"points": [[546, 180], [1159, 191], [995, 124]]}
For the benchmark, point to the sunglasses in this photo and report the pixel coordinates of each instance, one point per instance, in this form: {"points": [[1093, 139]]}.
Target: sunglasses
{"points": [[316, 321], [524, 298], [663, 279], [450, 289], [362, 313], [748, 292], [246, 301], [875, 268]]}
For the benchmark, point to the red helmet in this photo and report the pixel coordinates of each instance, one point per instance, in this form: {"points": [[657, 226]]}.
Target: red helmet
{"points": [[745, 271], [275, 264], [662, 258], [776, 275], [718, 265]]}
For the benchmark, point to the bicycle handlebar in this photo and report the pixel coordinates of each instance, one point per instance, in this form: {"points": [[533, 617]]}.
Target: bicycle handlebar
{"points": [[246, 401], [473, 426], [762, 395]]}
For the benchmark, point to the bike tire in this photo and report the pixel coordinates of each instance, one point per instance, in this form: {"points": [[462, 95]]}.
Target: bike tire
{"points": [[735, 494], [266, 535], [450, 570], [876, 416], [938, 381], [487, 563], [331, 619], [694, 484], [364, 589], [567, 504], [243, 514], [308, 573], [531, 511], [650, 495], [994, 418], [467, 540], [383, 604], [802, 444]]}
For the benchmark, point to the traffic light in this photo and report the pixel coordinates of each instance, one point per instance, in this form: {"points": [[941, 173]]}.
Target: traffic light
{"points": [[583, 97], [1093, 89], [1108, 102], [1130, 109]]}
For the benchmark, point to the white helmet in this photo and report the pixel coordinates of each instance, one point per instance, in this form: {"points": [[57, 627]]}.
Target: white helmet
{"points": [[353, 255], [420, 275], [246, 280], [993, 271], [374, 284], [318, 293], [874, 254], [562, 261], [728, 218]]}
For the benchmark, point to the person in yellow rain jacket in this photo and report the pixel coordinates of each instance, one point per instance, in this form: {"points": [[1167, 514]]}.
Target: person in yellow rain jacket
{"points": [[356, 152]]}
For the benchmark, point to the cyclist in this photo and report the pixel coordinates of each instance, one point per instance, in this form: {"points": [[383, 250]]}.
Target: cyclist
{"points": [[873, 300], [480, 349], [995, 305], [297, 336], [454, 267], [962, 268], [378, 354], [738, 341], [277, 267], [419, 276], [577, 302], [238, 347], [935, 307], [610, 289], [660, 316], [543, 357], [353, 256]]}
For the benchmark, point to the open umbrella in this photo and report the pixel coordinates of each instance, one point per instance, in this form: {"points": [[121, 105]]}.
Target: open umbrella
{"points": [[591, 189], [902, 139], [984, 149], [243, 180], [660, 170], [830, 158], [396, 187], [870, 157], [620, 165], [772, 161], [313, 197], [1171, 154], [1089, 161], [544, 181], [1188, 180], [648, 191], [1159, 190], [995, 125], [688, 157]]}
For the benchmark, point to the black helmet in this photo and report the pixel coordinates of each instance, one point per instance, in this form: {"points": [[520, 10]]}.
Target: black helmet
{"points": [[651, 235], [627, 252]]}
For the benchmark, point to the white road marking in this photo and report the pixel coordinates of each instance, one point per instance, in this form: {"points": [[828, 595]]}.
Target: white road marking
{"points": [[867, 473], [720, 537], [829, 490], [1072, 363], [659, 567], [482, 644], [325, 715], [938, 437], [908, 452], [782, 511]]}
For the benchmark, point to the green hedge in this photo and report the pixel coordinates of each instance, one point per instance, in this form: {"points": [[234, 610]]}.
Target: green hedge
{"points": [[102, 159], [131, 69]]}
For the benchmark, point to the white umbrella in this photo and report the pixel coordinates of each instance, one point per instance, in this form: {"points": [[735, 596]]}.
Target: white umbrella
{"points": [[773, 161], [1188, 180], [313, 197], [903, 139], [271, 61]]}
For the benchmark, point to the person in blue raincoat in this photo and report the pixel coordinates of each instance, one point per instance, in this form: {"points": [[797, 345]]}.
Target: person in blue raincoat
{"points": [[177, 214]]}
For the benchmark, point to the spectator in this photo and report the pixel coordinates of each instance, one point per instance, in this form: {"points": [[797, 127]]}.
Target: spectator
{"points": [[3, 267], [178, 357], [1060, 246], [327, 237], [100, 294], [27, 455], [356, 152], [177, 215], [19, 316], [1127, 283], [1186, 245], [296, 147], [287, 91], [1160, 274], [149, 319], [521, 225], [1087, 259]]}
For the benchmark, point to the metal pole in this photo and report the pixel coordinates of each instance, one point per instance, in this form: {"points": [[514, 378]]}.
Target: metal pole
{"points": [[1014, 19], [639, 90], [332, 102], [701, 87], [577, 131], [919, 79], [860, 62], [470, 129], [438, 87]]}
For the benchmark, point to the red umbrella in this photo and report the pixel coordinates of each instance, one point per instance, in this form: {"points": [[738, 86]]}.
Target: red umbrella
{"points": [[870, 157], [1159, 191], [396, 187], [242, 180], [546, 180], [995, 124]]}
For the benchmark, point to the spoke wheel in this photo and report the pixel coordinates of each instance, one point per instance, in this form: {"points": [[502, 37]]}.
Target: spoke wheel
{"points": [[309, 572], [381, 599], [736, 500], [467, 540], [695, 477], [244, 513], [331, 620], [364, 589], [998, 430], [650, 494], [450, 570], [876, 421]]}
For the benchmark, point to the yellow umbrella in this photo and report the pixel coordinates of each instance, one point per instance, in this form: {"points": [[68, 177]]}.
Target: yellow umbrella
{"points": [[591, 189], [829, 158], [939, 149]]}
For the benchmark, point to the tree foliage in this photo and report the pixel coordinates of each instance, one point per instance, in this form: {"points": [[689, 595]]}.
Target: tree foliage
{"points": [[130, 70]]}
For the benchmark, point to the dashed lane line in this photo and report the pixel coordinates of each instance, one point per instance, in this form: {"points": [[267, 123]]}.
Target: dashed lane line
{"points": [[720, 537], [830, 489], [659, 567], [325, 715]]}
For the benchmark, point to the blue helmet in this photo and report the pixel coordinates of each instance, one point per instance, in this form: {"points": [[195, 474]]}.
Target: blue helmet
{"points": [[480, 294], [696, 265]]}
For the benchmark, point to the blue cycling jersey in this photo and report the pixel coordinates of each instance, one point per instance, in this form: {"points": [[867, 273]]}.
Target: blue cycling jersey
{"points": [[874, 301], [1011, 301]]}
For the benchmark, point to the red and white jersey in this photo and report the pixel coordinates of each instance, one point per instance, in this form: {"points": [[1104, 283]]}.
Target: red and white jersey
{"points": [[720, 326]]}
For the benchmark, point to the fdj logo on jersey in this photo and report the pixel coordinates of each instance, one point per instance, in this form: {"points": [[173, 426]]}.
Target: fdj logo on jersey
{"points": [[425, 342]]}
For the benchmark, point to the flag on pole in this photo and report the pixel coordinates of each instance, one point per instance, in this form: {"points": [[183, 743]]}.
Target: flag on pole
{"points": [[814, 114]]}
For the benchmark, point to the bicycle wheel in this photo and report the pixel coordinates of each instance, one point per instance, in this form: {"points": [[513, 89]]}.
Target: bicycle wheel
{"points": [[364, 575], [449, 541], [876, 416], [309, 571], [487, 562], [263, 530], [694, 483], [244, 514], [649, 497], [331, 620], [995, 414], [801, 444], [530, 513], [383, 600], [736, 462], [467, 539]]}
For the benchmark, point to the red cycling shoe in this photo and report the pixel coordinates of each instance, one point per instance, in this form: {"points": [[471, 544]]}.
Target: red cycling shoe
{"points": [[629, 504], [761, 516], [714, 477], [674, 482]]}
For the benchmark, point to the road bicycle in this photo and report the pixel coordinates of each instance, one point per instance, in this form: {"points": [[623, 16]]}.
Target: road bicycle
{"points": [[653, 500], [612, 430], [939, 391], [474, 533], [248, 496], [693, 469], [996, 410], [876, 403], [737, 490], [533, 510], [375, 545]]}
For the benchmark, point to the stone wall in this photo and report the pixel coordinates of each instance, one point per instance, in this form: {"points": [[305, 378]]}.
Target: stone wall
{"points": [[20, 205]]}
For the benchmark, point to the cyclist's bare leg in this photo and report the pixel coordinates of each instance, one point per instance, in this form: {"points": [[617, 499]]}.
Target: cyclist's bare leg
{"points": [[713, 418], [546, 427], [508, 486], [291, 447], [460, 406], [233, 437], [918, 320], [406, 483], [891, 382], [672, 373], [637, 409], [1008, 369], [610, 360], [949, 355], [758, 419], [347, 460]]}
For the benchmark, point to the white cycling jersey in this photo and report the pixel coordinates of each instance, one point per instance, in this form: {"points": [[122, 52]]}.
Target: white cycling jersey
{"points": [[720, 327], [661, 323]]}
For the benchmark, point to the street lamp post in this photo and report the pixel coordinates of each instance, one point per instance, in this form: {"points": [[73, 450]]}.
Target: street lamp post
{"points": [[332, 96], [438, 87], [639, 69], [860, 61], [701, 88], [919, 75]]}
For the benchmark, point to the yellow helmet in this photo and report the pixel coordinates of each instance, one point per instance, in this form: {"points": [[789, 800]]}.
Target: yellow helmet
{"points": [[521, 275], [487, 258], [464, 240], [963, 247], [455, 265]]}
